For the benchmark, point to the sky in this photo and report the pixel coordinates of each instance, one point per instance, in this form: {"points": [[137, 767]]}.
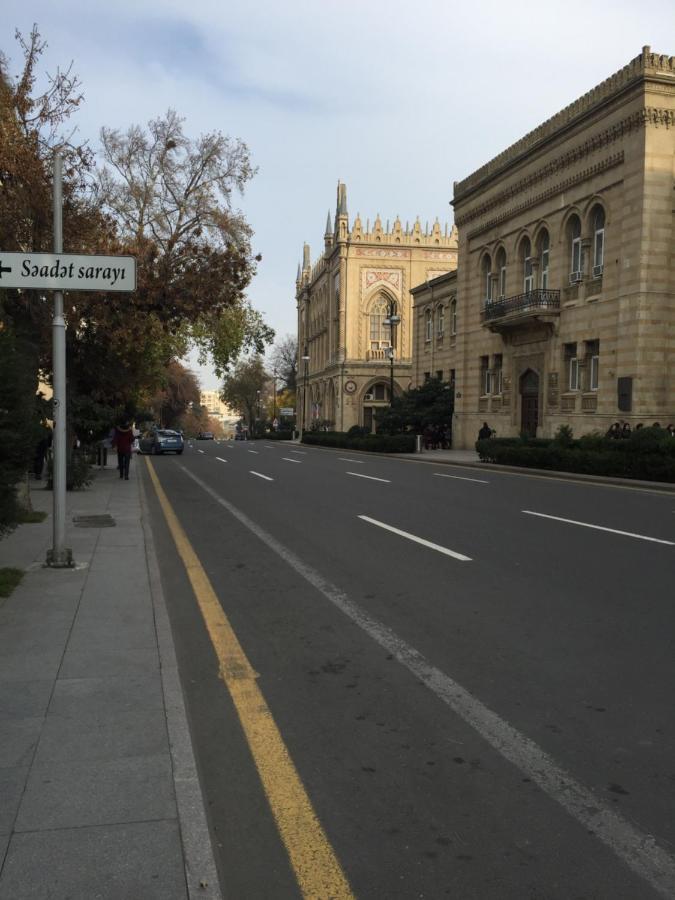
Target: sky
{"points": [[398, 100]]}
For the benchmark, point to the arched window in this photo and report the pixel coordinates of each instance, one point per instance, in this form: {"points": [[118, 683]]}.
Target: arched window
{"points": [[574, 232], [487, 277], [501, 271], [544, 245], [598, 240], [440, 320], [453, 317], [528, 278], [428, 325], [379, 332]]}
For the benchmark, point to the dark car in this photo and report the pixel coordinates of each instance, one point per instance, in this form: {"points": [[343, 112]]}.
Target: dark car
{"points": [[160, 440], [205, 436]]}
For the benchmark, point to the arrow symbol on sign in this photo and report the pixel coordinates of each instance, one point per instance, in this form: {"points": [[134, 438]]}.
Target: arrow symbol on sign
{"points": [[4, 268]]}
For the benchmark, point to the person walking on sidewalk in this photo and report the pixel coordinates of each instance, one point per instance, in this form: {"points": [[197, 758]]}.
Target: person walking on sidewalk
{"points": [[123, 440]]}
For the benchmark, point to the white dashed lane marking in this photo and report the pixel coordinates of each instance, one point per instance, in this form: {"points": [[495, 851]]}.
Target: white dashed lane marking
{"points": [[260, 475], [639, 537], [460, 478], [369, 477], [417, 540]]}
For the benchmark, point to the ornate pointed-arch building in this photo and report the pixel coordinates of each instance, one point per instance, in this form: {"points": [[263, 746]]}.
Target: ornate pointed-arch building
{"points": [[355, 314]]}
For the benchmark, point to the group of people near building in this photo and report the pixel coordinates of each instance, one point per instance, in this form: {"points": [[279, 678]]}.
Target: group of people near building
{"points": [[623, 430], [437, 437]]}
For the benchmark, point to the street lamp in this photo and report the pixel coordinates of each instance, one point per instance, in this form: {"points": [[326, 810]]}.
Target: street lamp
{"points": [[392, 321], [305, 359], [257, 411], [274, 395]]}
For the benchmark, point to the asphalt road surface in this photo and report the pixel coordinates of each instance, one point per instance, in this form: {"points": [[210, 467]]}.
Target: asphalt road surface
{"points": [[471, 674]]}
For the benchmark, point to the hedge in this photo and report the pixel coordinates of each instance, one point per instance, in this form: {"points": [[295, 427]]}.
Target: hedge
{"points": [[285, 435], [647, 455], [375, 443]]}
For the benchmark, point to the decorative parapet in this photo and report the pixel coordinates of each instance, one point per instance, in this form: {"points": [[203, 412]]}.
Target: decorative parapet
{"points": [[646, 65]]}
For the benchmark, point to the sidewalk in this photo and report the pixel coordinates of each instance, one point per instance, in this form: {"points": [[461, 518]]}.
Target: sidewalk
{"points": [[99, 795]]}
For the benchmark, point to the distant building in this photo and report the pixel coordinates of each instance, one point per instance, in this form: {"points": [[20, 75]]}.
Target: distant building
{"points": [[565, 287], [436, 353], [211, 402], [346, 302]]}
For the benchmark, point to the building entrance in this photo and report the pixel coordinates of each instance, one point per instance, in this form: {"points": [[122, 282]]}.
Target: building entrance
{"points": [[529, 403]]}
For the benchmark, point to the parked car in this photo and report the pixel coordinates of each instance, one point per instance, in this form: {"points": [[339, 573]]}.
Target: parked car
{"points": [[205, 436], [160, 440]]}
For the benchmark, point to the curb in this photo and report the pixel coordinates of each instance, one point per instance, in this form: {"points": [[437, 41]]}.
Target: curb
{"points": [[660, 487], [657, 487], [201, 873]]}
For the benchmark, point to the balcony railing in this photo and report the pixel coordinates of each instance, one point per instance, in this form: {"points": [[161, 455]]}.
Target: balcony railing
{"points": [[530, 303]]}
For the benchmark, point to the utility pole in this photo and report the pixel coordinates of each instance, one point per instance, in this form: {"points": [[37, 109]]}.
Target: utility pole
{"points": [[59, 557]]}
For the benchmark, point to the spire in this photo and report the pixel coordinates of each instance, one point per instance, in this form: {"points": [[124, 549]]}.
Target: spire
{"points": [[305, 257], [329, 227], [341, 199], [299, 275]]}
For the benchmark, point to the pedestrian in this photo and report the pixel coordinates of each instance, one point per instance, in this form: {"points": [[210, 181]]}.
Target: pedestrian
{"points": [[639, 426], [671, 430], [626, 430], [123, 440], [614, 432], [485, 432]]}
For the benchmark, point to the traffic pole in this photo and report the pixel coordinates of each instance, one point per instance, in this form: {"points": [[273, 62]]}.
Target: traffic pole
{"points": [[59, 556]]}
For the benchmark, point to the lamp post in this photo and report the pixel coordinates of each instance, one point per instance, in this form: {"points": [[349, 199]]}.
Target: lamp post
{"points": [[392, 321], [274, 395], [305, 359], [257, 411]]}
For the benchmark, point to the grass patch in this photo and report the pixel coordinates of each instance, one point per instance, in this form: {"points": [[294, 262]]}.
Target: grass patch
{"points": [[9, 578], [30, 516]]}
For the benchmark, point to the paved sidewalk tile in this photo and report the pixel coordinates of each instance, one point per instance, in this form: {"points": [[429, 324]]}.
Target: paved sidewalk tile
{"points": [[141, 861], [12, 783], [105, 792]]}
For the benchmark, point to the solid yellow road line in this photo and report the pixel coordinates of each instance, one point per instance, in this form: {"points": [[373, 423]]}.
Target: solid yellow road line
{"points": [[316, 867]]}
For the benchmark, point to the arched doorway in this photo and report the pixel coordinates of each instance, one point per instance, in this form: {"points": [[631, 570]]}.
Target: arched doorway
{"points": [[376, 398], [529, 403]]}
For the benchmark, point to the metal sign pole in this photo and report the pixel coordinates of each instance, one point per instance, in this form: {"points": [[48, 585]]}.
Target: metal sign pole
{"points": [[59, 556]]}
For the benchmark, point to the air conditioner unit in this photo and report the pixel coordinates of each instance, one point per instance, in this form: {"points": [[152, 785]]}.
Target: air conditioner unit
{"points": [[367, 396], [575, 277], [597, 271]]}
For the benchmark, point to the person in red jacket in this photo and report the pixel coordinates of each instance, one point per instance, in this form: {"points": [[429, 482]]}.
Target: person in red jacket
{"points": [[123, 440]]}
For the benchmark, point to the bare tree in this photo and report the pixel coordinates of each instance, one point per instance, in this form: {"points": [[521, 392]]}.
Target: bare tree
{"points": [[284, 358]]}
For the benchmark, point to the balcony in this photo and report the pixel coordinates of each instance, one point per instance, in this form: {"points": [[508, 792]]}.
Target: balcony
{"points": [[534, 306]]}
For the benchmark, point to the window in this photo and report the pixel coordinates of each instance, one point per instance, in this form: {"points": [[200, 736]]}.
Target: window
{"points": [[598, 240], [429, 324], [440, 321], [452, 378], [485, 374], [487, 277], [379, 391], [572, 367], [427, 376], [439, 374], [379, 335], [575, 247], [497, 373], [544, 244], [453, 317], [501, 270], [593, 357], [528, 278]]}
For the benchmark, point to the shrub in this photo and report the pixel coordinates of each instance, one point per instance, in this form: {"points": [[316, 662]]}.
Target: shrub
{"points": [[375, 443], [78, 472]]}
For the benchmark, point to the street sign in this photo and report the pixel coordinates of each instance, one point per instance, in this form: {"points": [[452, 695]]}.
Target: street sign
{"points": [[67, 272], [286, 411]]}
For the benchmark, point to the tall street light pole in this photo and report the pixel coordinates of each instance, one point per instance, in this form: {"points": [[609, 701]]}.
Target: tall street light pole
{"points": [[392, 321], [305, 359]]}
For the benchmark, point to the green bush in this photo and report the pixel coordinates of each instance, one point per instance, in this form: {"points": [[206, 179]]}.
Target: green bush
{"points": [[285, 435], [78, 472], [651, 460], [375, 443]]}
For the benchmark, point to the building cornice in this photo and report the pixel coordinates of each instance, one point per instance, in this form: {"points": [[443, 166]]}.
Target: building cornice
{"points": [[650, 67], [565, 184]]}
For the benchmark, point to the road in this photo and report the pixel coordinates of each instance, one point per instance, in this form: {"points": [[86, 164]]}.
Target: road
{"points": [[468, 673]]}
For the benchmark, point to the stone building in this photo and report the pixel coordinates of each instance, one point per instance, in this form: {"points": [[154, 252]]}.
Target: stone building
{"points": [[566, 277], [346, 303], [435, 350]]}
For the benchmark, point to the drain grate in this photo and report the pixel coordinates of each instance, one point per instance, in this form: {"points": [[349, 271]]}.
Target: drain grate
{"points": [[105, 521]]}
